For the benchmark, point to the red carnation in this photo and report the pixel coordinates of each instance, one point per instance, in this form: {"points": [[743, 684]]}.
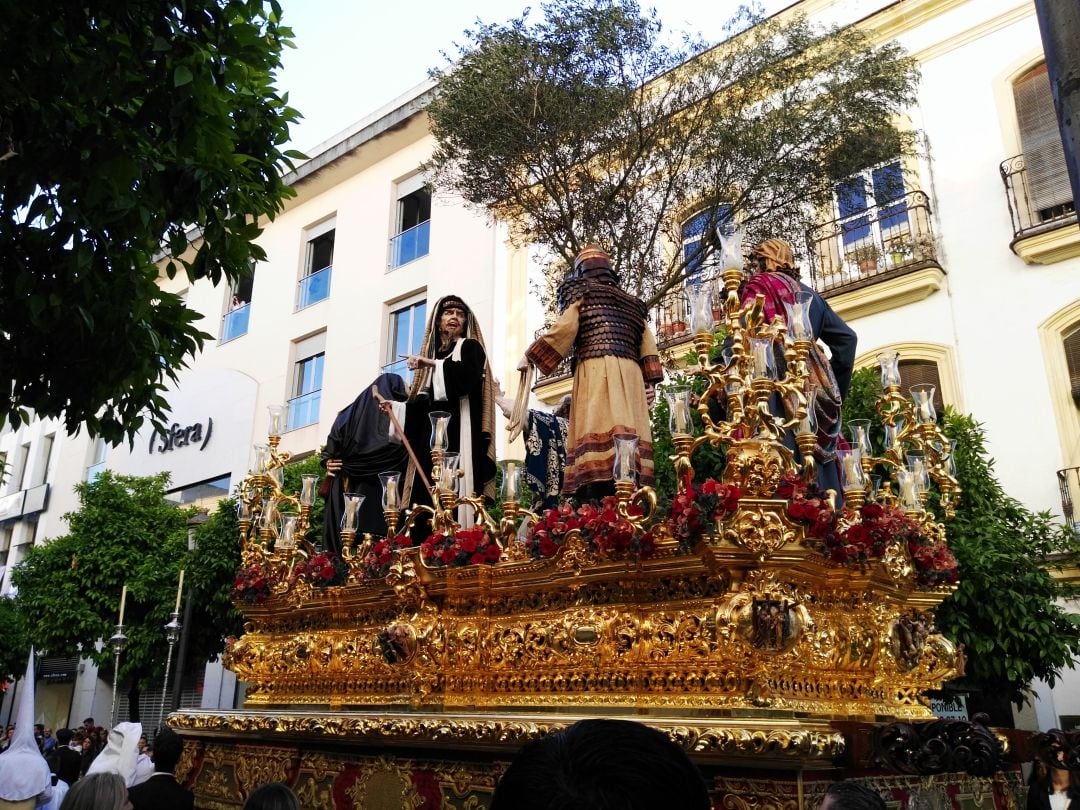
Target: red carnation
{"points": [[547, 547], [468, 543], [448, 556], [493, 552]]}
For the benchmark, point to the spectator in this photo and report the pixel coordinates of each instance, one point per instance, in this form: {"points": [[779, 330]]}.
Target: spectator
{"points": [[86, 755], [602, 765], [9, 732], [25, 780], [1053, 788], [274, 796], [144, 763], [66, 761], [99, 791], [48, 741], [161, 791], [852, 796]]}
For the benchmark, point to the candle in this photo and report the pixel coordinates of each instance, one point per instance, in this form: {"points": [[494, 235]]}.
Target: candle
{"points": [[680, 417], [851, 471], [391, 496], [123, 601], [179, 591], [511, 481]]}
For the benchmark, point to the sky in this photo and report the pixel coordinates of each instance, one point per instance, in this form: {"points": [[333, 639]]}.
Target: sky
{"points": [[354, 56]]}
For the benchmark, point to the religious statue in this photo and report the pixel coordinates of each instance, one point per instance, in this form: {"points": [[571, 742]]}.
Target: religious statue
{"points": [[614, 356]]}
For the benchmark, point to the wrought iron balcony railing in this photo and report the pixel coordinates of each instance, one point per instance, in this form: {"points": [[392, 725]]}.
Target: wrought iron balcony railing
{"points": [[1036, 203], [880, 242], [1069, 486]]}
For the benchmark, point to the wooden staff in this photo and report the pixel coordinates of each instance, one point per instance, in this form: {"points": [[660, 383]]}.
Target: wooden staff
{"points": [[389, 410]]}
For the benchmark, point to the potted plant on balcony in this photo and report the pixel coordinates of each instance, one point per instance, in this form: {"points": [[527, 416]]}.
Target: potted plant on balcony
{"points": [[865, 257]]}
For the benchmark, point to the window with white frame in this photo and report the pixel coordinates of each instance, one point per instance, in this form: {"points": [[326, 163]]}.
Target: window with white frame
{"points": [[307, 376], [23, 467], [238, 307], [46, 458], [872, 213], [412, 227], [98, 452], [405, 333], [318, 261]]}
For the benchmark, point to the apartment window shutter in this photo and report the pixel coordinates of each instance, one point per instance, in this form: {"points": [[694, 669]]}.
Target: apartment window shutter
{"points": [[1071, 344], [1040, 138], [919, 372]]}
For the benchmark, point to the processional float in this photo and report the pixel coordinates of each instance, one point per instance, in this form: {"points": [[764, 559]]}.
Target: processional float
{"points": [[750, 619]]}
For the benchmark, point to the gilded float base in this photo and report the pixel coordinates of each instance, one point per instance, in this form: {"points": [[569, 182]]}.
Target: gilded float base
{"points": [[442, 760]]}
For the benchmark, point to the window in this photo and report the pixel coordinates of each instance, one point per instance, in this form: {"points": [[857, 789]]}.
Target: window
{"points": [[319, 258], [307, 382], [693, 237], [921, 372], [238, 307], [1040, 140], [46, 457], [881, 188], [24, 466], [1071, 344], [406, 333], [97, 460], [215, 488], [413, 226]]}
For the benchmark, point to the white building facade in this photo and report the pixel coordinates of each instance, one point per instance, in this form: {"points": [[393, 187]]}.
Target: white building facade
{"points": [[970, 268]]}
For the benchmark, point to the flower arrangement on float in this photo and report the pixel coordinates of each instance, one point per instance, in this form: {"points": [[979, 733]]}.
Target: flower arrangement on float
{"points": [[859, 536], [605, 530], [697, 508], [252, 584], [323, 570], [472, 546]]}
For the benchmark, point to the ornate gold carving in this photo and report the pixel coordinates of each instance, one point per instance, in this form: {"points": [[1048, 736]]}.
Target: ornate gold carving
{"points": [[385, 785]]}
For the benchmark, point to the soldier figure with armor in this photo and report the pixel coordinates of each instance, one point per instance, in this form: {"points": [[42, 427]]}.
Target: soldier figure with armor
{"points": [[615, 355]]}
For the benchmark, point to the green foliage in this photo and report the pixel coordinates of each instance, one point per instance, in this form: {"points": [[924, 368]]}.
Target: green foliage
{"points": [[126, 532], [708, 460], [210, 577], [1006, 610], [292, 483], [122, 127], [14, 646], [584, 126]]}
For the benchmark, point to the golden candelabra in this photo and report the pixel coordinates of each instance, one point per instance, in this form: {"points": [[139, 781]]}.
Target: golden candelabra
{"points": [[746, 612]]}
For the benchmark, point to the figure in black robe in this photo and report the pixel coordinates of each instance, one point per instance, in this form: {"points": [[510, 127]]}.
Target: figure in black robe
{"points": [[452, 375], [358, 448]]}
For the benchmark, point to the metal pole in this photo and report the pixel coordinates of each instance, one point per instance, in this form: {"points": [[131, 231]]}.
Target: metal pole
{"points": [[181, 659], [172, 633], [118, 642], [1059, 22]]}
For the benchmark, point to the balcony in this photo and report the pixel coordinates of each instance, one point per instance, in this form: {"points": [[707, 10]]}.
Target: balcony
{"points": [[1042, 211], [235, 323], [1069, 486], [409, 245], [24, 503], [314, 288], [303, 410]]}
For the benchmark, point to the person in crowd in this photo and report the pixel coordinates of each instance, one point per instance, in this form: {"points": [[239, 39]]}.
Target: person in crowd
{"points": [[25, 779], [66, 762], [602, 764], [161, 791], [451, 374], [48, 741], [99, 791], [88, 726], [274, 796], [9, 732], [120, 752], [852, 796], [1053, 787], [39, 736], [86, 755], [358, 448], [615, 355], [144, 764]]}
